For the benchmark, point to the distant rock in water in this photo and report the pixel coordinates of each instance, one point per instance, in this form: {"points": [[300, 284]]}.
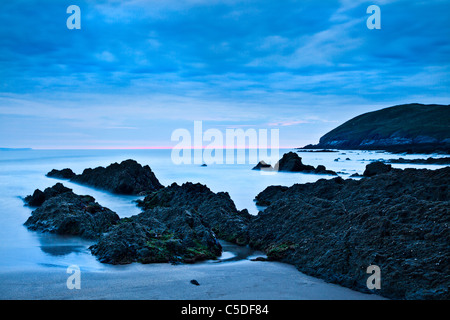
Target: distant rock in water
{"points": [[291, 162], [63, 212], [262, 165], [128, 177], [334, 229], [38, 197], [411, 128], [439, 161], [61, 174], [375, 168]]}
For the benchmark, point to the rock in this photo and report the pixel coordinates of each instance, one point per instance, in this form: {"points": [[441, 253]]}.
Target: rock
{"points": [[334, 229], [158, 235], [61, 174], [291, 162], [259, 259], [217, 209], [66, 213], [439, 161], [38, 197], [356, 175], [128, 177], [262, 166], [195, 282], [375, 168]]}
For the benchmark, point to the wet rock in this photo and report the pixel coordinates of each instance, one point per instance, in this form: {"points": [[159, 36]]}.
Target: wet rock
{"points": [[334, 229], [262, 165], [291, 162], [66, 213], [61, 174], [158, 235], [128, 177], [38, 197], [375, 168], [217, 209]]}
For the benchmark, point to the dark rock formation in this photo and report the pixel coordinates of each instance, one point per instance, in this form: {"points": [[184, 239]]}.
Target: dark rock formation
{"points": [[440, 161], [38, 197], [411, 128], [217, 209], [63, 212], [291, 162], [61, 174], [320, 150], [158, 235], [262, 165], [128, 177], [375, 168], [334, 229]]}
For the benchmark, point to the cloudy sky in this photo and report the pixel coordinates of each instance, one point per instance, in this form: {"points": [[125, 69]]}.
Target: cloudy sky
{"points": [[137, 70]]}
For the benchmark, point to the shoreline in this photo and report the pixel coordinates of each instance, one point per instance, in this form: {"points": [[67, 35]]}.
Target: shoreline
{"points": [[236, 280]]}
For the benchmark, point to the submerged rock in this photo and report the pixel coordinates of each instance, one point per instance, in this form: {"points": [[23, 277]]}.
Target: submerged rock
{"points": [[63, 212], [128, 177], [334, 229]]}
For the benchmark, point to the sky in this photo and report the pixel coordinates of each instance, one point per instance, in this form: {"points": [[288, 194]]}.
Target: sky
{"points": [[138, 70]]}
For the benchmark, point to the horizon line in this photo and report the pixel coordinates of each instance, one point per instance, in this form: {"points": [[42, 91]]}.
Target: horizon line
{"points": [[148, 148]]}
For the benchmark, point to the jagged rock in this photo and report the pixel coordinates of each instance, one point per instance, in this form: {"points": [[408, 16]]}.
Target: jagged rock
{"points": [[64, 212], [262, 165], [375, 168], [217, 209], [61, 174], [334, 229], [39, 196], [440, 161], [158, 235], [128, 177], [291, 162]]}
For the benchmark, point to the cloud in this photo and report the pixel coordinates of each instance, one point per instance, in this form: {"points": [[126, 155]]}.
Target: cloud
{"points": [[155, 65]]}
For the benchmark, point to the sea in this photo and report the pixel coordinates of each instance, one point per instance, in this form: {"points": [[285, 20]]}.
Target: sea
{"points": [[23, 171]]}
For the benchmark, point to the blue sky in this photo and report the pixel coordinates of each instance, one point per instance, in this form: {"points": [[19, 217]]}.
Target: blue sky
{"points": [[137, 70]]}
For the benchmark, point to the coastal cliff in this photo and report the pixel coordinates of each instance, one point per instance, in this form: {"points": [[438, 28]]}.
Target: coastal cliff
{"points": [[411, 128]]}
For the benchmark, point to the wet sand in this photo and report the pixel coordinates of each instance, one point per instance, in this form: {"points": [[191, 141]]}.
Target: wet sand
{"points": [[234, 277]]}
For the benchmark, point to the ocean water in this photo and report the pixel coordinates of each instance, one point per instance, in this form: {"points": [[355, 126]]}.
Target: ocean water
{"points": [[23, 171]]}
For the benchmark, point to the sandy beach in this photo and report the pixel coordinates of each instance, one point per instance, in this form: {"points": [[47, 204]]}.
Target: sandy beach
{"points": [[235, 277]]}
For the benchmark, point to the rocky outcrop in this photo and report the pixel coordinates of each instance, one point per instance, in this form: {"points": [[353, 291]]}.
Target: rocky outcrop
{"points": [[334, 229], [411, 128], [291, 162], [262, 165], [38, 197], [375, 168], [128, 177], [173, 235], [439, 161], [61, 174], [63, 212], [217, 209]]}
